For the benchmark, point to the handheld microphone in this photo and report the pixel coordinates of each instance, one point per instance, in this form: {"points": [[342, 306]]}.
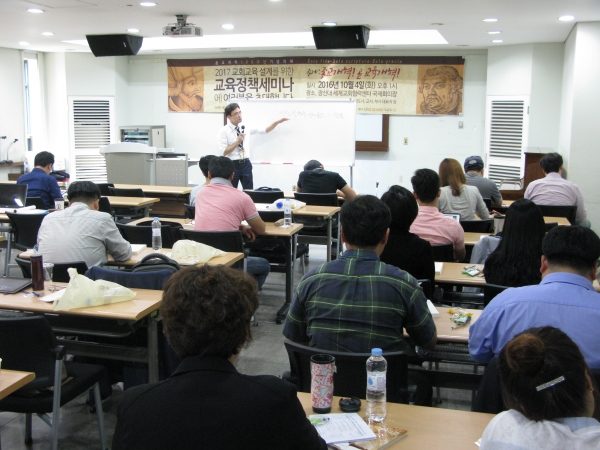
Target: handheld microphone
{"points": [[242, 128]]}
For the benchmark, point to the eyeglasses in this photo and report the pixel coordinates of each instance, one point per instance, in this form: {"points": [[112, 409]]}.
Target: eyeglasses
{"points": [[239, 113]]}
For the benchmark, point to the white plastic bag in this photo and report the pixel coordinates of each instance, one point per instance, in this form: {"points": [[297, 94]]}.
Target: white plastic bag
{"points": [[278, 205], [188, 252]]}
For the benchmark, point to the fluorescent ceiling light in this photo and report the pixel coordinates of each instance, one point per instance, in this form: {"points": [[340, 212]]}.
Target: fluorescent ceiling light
{"points": [[330, 24], [47, 33], [300, 39], [24, 43], [494, 32], [566, 18], [133, 30], [35, 10], [497, 41], [227, 26], [490, 20], [147, 4]]}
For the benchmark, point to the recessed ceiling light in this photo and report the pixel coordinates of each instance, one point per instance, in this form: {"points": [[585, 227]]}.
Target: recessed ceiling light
{"points": [[147, 4], [494, 32], [47, 33], [330, 24], [497, 41], [275, 0], [24, 43], [227, 26], [566, 18], [462, 45], [490, 20], [133, 30], [35, 10]]}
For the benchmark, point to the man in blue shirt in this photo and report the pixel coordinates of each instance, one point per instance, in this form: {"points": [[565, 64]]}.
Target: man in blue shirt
{"points": [[39, 181], [565, 299]]}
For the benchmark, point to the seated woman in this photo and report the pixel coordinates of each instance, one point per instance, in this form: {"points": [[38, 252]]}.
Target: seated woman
{"points": [[207, 403], [406, 250], [550, 392], [516, 261], [458, 197]]}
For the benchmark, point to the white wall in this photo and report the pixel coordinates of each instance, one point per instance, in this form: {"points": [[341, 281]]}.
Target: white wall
{"points": [[56, 106]]}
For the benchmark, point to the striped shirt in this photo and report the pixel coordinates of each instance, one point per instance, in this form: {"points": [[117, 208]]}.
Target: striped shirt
{"points": [[357, 303]]}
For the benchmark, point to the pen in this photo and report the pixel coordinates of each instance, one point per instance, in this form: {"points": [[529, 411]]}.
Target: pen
{"points": [[34, 293]]}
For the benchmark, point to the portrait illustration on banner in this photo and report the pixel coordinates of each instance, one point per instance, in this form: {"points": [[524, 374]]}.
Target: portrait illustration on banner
{"points": [[440, 90], [186, 89]]}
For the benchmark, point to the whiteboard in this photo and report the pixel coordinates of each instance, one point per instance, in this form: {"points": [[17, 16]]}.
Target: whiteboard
{"points": [[318, 129]]}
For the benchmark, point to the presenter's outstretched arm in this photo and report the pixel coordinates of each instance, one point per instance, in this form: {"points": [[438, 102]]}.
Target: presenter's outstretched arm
{"points": [[274, 124]]}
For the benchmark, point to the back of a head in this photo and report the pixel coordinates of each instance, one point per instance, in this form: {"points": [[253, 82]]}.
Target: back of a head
{"points": [[473, 163], [552, 162], [543, 375], [524, 228], [206, 310], [42, 159], [365, 221], [312, 164], [204, 162], [220, 167], [403, 207], [451, 174], [83, 191], [574, 247], [426, 184]]}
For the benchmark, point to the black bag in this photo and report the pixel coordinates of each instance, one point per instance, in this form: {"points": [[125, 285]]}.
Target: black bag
{"points": [[267, 189], [154, 262]]}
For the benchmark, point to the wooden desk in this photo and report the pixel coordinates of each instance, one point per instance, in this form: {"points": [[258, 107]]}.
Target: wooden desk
{"points": [[444, 325], [133, 203], [142, 307], [11, 380], [157, 190], [172, 198], [227, 260], [428, 428], [562, 221], [472, 238], [451, 274]]}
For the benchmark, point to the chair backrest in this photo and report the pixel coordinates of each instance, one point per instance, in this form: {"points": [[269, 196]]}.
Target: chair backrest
{"points": [[227, 241], [426, 286], [28, 344], [443, 252], [136, 280], [104, 188], [488, 203], [568, 211], [35, 201], [104, 205], [60, 274], [317, 199], [25, 228], [478, 226], [270, 216], [117, 192], [190, 211], [490, 291], [264, 196], [142, 234]]}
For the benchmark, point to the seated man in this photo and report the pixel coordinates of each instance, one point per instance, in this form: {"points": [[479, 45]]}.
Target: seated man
{"points": [[565, 299], [221, 207], [474, 176], [555, 190], [207, 403], [316, 180], [81, 232], [39, 182], [203, 163], [430, 223]]}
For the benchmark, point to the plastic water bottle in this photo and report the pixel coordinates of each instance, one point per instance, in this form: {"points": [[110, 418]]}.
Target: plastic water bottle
{"points": [[376, 371], [156, 235], [287, 213]]}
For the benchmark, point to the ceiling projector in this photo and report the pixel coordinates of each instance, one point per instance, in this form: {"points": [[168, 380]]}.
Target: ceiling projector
{"points": [[181, 28]]}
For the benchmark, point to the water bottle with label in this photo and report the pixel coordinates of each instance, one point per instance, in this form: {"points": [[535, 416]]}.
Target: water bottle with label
{"points": [[376, 372], [156, 235], [287, 213]]}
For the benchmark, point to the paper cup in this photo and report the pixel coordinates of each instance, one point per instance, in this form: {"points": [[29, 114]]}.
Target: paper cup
{"points": [[322, 368], [48, 270], [59, 204]]}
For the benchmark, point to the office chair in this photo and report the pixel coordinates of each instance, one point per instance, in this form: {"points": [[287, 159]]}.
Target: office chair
{"points": [[142, 234], [569, 212], [264, 196], [350, 378], [59, 273], [315, 228], [28, 344], [117, 192], [127, 213], [104, 188], [478, 226], [35, 201], [24, 229], [490, 291], [227, 241], [104, 206], [190, 211], [488, 203], [443, 252]]}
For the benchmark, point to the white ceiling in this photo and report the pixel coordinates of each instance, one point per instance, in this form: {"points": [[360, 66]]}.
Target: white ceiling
{"points": [[521, 21]]}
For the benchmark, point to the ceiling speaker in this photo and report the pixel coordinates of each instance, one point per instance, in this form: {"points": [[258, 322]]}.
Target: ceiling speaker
{"points": [[351, 36], [114, 44]]}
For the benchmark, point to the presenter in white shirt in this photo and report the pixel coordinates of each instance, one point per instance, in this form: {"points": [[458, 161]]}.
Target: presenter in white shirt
{"points": [[231, 143]]}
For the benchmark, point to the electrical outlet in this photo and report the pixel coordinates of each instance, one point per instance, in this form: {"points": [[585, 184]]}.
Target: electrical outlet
{"points": [[405, 141], [460, 125]]}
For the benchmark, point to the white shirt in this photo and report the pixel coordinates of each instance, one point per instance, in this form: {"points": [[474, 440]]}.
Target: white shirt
{"points": [[555, 190], [228, 135], [81, 234]]}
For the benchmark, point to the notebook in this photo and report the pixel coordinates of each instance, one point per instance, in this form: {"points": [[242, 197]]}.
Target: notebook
{"points": [[13, 285], [12, 195]]}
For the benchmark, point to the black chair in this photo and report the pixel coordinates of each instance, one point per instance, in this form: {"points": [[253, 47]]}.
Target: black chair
{"points": [[104, 206], [478, 226], [104, 188], [350, 379], [443, 252], [190, 211], [227, 241], [25, 229], [488, 203], [35, 201], [315, 228], [142, 234], [317, 199], [427, 287], [128, 213], [28, 344], [264, 196], [569, 212], [59, 273], [118, 192], [490, 291]]}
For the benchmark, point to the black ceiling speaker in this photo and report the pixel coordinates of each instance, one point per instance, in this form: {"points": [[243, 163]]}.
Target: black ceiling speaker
{"points": [[114, 44], [350, 36]]}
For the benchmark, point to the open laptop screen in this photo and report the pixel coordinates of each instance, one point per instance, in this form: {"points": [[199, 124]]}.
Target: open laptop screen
{"points": [[454, 216], [12, 195]]}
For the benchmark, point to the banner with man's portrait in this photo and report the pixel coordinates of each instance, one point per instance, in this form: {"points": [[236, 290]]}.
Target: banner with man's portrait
{"points": [[380, 85]]}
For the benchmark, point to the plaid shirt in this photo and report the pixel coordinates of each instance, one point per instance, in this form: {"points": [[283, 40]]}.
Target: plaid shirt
{"points": [[357, 303]]}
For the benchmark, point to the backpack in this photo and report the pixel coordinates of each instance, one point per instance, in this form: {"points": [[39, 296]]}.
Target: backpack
{"points": [[154, 262]]}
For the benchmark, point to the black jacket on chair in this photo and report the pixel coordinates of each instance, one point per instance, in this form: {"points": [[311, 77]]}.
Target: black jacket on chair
{"points": [[208, 404]]}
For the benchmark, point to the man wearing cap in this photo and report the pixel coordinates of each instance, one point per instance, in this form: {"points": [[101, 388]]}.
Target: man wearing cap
{"points": [[474, 175]]}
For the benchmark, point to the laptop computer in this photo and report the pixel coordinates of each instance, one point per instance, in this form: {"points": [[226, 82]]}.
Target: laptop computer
{"points": [[454, 216], [13, 285], [12, 196]]}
